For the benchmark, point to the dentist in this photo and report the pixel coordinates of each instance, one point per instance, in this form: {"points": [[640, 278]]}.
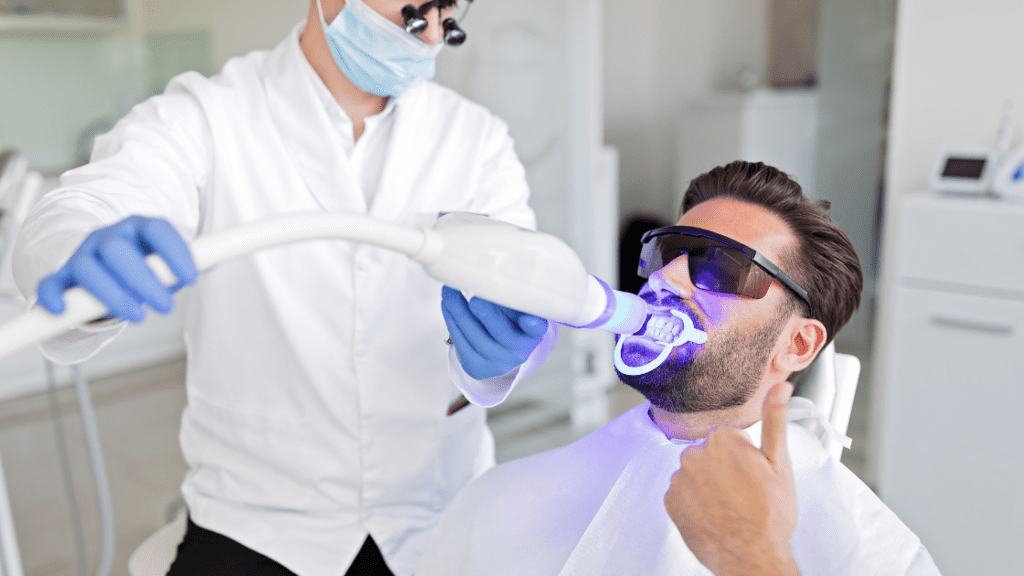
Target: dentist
{"points": [[318, 374]]}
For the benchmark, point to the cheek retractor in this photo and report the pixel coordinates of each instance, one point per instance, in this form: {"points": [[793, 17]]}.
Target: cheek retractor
{"points": [[689, 333]]}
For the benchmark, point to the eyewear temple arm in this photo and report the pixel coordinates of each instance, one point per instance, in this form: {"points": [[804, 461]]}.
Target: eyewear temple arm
{"points": [[777, 273]]}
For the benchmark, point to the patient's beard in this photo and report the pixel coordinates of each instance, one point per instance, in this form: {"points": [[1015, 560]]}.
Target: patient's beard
{"points": [[724, 373]]}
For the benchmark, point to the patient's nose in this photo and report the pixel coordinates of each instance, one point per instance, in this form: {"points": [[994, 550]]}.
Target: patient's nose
{"points": [[674, 278]]}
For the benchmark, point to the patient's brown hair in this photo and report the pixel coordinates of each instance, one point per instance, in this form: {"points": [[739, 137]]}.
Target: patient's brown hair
{"points": [[824, 263]]}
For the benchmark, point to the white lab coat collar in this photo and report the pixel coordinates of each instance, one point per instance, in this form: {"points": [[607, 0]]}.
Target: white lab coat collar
{"points": [[320, 155], [327, 99], [332, 107]]}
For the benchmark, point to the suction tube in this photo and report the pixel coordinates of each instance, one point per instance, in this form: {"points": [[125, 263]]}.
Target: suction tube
{"points": [[522, 269]]}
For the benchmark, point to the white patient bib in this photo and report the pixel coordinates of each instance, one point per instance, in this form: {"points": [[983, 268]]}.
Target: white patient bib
{"points": [[596, 508]]}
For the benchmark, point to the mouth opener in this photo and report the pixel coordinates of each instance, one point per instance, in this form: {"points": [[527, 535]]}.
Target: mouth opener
{"points": [[690, 333]]}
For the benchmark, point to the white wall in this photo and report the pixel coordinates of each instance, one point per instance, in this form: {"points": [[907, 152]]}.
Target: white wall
{"points": [[658, 54], [954, 64]]}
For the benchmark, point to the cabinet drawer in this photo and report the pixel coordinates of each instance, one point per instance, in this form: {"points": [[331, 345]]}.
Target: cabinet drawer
{"points": [[974, 242], [950, 462], [957, 371]]}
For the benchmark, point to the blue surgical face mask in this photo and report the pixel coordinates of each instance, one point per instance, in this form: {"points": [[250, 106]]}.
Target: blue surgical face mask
{"points": [[376, 54]]}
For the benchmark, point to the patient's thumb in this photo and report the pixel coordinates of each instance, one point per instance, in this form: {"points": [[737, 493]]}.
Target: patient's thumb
{"points": [[773, 422]]}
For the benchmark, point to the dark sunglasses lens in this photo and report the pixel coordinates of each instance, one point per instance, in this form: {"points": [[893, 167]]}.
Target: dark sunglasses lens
{"points": [[662, 249], [656, 253], [727, 270], [713, 266]]}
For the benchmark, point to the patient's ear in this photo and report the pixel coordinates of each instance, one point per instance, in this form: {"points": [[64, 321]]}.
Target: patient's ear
{"points": [[806, 337]]}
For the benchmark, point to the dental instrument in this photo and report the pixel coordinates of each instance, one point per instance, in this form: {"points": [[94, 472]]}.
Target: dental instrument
{"points": [[525, 270], [101, 484], [19, 189], [1008, 182]]}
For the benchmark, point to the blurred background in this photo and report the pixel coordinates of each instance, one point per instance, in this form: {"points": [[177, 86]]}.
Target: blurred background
{"points": [[615, 105]]}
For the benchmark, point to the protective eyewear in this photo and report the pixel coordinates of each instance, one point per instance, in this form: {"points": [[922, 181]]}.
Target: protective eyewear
{"points": [[717, 263], [416, 23]]}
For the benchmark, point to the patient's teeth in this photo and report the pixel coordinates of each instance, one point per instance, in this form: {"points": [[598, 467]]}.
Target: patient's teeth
{"points": [[664, 328]]}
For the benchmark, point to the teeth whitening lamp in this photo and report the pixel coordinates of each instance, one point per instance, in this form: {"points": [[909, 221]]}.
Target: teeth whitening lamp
{"points": [[525, 270]]}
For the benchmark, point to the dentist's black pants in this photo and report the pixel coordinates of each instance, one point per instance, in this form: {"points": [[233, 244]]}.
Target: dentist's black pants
{"points": [[206, 553]]}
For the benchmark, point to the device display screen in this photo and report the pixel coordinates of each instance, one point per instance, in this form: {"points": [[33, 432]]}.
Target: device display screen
{"points": [[964, 168]]}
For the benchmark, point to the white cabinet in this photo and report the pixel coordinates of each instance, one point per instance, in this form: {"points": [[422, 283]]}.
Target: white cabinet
{"points": [[951, 464], [777, 127]]}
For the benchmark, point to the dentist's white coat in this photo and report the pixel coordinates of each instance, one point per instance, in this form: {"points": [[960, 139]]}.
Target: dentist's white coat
{"points": [[317, 373]]}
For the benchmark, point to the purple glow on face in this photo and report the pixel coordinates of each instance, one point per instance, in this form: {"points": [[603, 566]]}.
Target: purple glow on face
{"points": [[721, 373]]}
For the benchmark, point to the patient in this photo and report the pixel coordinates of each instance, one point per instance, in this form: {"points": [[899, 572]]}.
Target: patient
{"points": [[745, 292]]}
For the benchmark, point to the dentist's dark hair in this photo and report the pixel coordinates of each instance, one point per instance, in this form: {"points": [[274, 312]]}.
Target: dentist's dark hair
{"points": [[824, 261]]}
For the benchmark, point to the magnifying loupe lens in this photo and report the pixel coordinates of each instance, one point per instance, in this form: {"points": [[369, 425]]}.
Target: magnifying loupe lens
{"points": [[453, 35], [414, 23]]}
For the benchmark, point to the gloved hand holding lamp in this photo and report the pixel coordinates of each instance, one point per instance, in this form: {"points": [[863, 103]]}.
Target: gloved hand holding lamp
{"points": [[490, 340], [111, 265]]}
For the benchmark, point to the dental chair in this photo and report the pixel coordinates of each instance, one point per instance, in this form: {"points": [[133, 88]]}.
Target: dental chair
{"points": [[829, 383]]}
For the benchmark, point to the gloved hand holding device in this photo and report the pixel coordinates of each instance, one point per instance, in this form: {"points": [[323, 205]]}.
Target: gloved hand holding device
{"points": [[490, 340], [111, 265]]}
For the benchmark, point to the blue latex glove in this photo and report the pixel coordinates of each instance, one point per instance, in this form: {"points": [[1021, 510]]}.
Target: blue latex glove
{"points": [[110, 264], [490, 340]]}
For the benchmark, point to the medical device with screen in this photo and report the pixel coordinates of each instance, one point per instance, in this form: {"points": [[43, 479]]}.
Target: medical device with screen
{"points": [[962, 172]]}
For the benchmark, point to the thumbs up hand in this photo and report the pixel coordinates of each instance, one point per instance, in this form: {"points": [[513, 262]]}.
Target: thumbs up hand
{"points": [[735, 505]]}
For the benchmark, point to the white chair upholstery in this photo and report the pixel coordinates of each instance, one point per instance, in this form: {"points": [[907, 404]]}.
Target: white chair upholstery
{"points": [[830, 383]]}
